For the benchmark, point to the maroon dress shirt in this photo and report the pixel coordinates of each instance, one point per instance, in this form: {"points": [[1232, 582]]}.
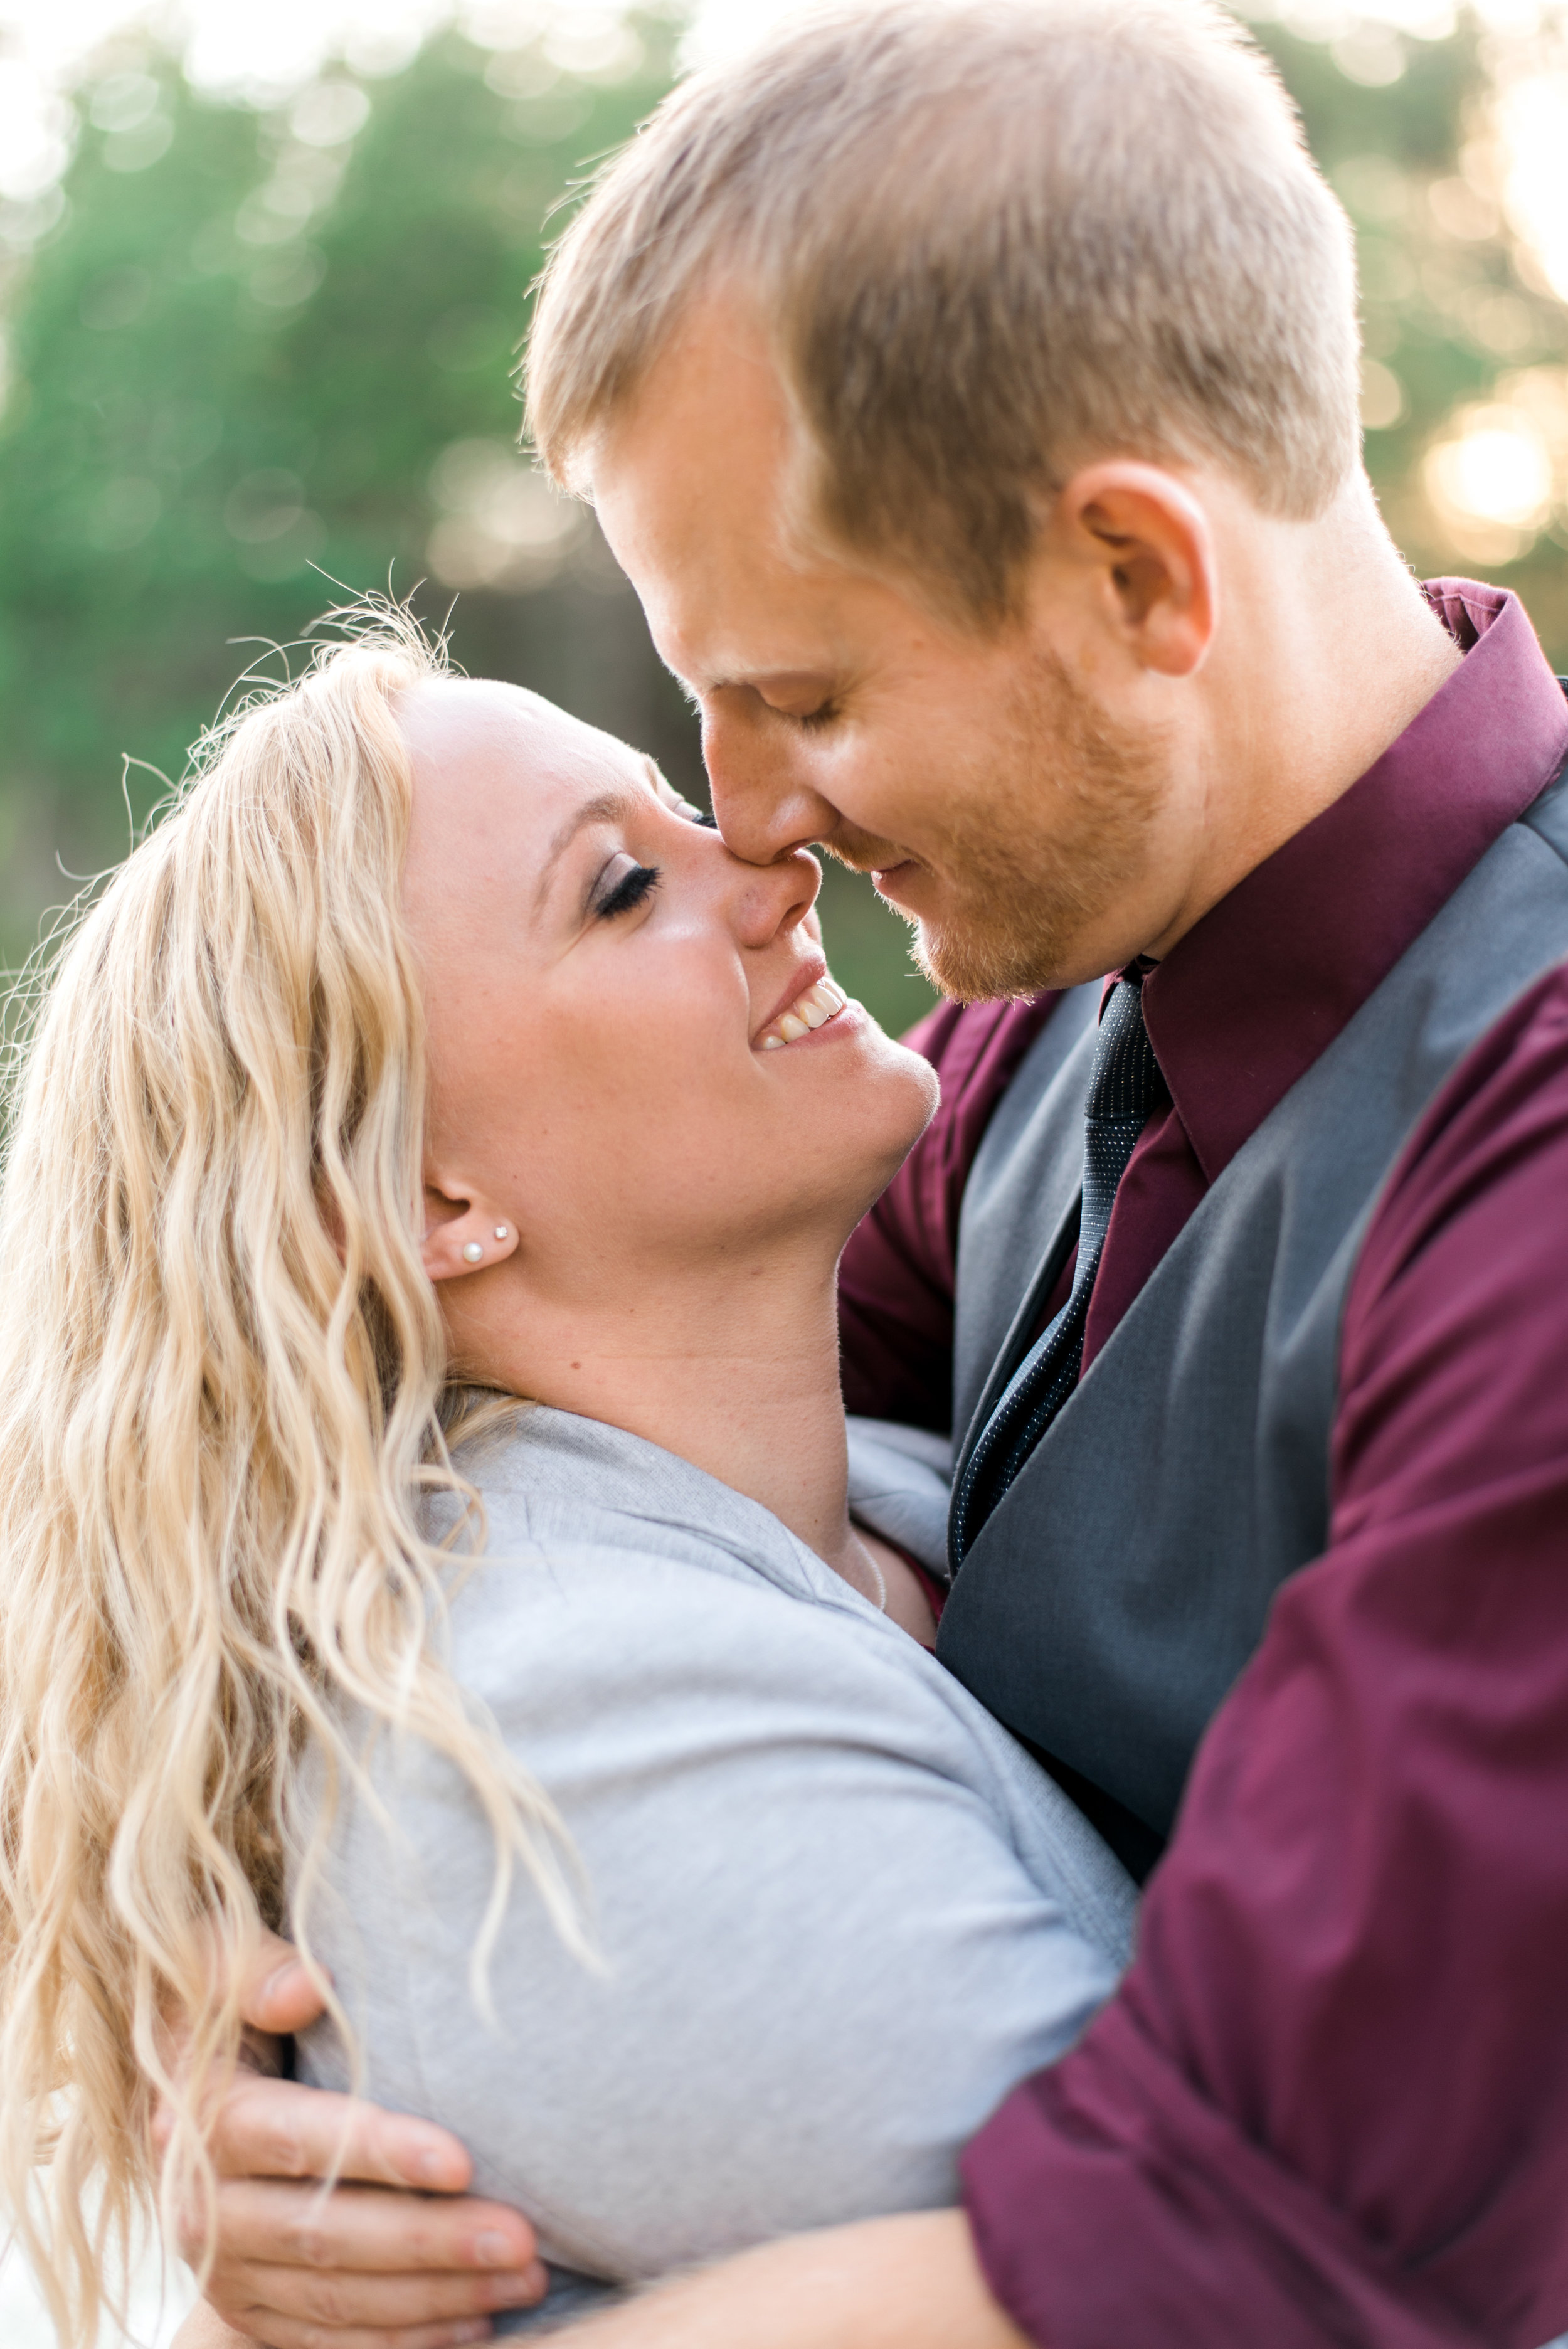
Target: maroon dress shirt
{"points": [[1330, 2102]]}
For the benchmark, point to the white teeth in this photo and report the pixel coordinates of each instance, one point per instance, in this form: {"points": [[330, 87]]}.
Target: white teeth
{"points": [[812, 1009]]}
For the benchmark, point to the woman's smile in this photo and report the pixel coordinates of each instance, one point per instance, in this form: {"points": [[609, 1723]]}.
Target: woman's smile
{"points": [[810, 1007]]}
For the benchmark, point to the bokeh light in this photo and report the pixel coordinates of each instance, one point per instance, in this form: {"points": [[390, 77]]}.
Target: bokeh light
{"points": [[1493, 482]]}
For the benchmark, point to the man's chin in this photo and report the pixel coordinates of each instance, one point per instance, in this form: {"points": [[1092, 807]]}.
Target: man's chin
{"points": [[977, 962], [985, 945]]}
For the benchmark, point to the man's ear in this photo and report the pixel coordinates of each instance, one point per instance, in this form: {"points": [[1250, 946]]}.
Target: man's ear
{"points": [[1147, 541], [464, 1231]]}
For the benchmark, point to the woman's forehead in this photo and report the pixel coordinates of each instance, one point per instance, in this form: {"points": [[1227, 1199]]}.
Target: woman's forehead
{"points": [[478, 721], [497, 773]]}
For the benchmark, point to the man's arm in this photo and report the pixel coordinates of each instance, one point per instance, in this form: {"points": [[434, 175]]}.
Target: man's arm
{"points": [[906, 2283], [402, 2258]]}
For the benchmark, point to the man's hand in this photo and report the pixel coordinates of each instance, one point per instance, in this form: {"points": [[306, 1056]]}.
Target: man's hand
{"points": [[401, 2259], [910, 2283]]}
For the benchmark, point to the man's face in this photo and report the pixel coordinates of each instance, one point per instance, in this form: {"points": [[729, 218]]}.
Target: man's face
{"points": [[985, 781]]}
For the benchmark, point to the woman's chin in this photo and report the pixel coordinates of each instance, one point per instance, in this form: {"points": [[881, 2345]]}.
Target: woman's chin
{"points": [[909, 1073], [873, 1119]]}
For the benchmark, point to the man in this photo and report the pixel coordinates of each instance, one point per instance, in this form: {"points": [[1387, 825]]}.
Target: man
{"points": [[969, 392]]}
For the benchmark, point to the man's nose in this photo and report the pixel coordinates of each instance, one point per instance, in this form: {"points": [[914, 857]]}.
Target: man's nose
{"points": [[758, 771]]}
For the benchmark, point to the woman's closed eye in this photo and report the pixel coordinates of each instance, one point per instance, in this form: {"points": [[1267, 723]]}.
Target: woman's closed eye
{"points": [[622, 886]]}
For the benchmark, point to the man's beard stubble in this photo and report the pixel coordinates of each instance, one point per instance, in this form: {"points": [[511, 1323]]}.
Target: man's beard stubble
{"points": [[1040, 841]]}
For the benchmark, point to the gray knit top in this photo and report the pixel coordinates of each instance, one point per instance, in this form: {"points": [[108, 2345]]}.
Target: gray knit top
{"points": [[837, 1912]]}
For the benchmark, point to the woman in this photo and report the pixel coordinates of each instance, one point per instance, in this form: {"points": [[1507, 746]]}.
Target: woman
{"points": [[427, 1057]]}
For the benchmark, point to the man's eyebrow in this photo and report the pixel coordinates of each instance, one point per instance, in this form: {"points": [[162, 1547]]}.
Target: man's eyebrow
{"points": [[605, 808]]}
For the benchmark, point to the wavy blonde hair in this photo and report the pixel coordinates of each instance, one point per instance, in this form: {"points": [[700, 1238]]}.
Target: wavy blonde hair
{"points": [[223, 1394]]}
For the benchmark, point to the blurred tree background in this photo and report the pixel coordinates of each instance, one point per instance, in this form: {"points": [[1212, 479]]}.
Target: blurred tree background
{"points": [[244, 339]]}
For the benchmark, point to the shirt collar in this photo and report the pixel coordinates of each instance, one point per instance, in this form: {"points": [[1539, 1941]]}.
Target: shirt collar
{"points": [[1257, 990]]}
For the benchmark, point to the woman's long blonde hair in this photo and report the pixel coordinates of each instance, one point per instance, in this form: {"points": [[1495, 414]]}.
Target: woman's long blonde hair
{"points": [[221, 1394]]}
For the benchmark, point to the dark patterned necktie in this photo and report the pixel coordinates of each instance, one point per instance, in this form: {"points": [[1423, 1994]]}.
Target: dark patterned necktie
{"points": [[1125, 1087]]}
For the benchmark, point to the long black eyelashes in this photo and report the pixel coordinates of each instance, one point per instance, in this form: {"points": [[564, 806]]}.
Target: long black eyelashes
{"points": [[640, 881], [629, 893]]}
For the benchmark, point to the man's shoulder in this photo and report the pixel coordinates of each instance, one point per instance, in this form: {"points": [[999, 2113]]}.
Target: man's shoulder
{"points": [[1502, 1112], [1454, 1347]]}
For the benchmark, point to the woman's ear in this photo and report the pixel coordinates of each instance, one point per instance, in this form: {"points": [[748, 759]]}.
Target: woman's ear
{"points": [[464, 1232], [1146, 535]]}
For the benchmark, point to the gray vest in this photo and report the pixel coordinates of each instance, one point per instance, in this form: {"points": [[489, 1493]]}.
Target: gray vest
{"points": [[1118, 1587]]}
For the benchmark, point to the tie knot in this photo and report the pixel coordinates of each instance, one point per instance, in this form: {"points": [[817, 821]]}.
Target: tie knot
{"points": [[1127, 1082]]}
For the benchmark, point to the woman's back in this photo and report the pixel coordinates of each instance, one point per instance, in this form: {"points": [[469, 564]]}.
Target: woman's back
{"points": [[839, 1911]]}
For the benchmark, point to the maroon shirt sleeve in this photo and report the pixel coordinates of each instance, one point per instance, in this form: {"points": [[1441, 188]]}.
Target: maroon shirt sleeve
{"points": [[1330, 2102], [896, 1279]]}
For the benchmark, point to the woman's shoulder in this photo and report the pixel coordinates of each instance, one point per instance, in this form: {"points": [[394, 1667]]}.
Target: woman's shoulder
{"points": [[830, 1933], [617, 1577], [604, 1552], [628, 1609], [547, 1478]]}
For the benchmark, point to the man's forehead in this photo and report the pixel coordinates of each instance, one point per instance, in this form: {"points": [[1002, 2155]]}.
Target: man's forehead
{"points": [[713, 391], [777, 628], [694, 467], [774, 644], [697, 490], [726, 603]]}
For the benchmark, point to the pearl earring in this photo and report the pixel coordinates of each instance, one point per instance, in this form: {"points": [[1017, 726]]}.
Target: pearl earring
{"points": [[473, 1252], [501, 1231]]}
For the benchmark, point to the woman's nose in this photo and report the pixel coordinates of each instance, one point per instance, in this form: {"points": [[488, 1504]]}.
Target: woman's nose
{"points": [[769, 899]]}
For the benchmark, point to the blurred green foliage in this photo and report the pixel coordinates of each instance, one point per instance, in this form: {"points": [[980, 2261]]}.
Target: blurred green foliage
{"points": [[253, 344], [1453, 310], [249, 343], [238, 358]]}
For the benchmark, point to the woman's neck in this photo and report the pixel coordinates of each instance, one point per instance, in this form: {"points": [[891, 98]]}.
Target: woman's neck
{"points": [[734, 1368]]}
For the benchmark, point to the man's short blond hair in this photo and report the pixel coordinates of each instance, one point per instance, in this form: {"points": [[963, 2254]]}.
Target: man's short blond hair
{"points": [[988, 239]]}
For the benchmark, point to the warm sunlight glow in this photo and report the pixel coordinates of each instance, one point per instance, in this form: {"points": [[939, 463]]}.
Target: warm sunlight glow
{"points": [[1532, 117], [1492, 485], [1497, 470]]}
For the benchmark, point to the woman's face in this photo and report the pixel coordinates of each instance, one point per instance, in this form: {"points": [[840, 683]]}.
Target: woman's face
{"points": [[616, 1070]]}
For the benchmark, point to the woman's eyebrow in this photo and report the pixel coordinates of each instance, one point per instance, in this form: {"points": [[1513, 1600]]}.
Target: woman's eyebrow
{"points": [[605, 808]]}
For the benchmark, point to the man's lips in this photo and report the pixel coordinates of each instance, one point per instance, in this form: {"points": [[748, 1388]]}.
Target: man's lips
{"points": [[889, 871], [895, 882], [863, 851]]}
